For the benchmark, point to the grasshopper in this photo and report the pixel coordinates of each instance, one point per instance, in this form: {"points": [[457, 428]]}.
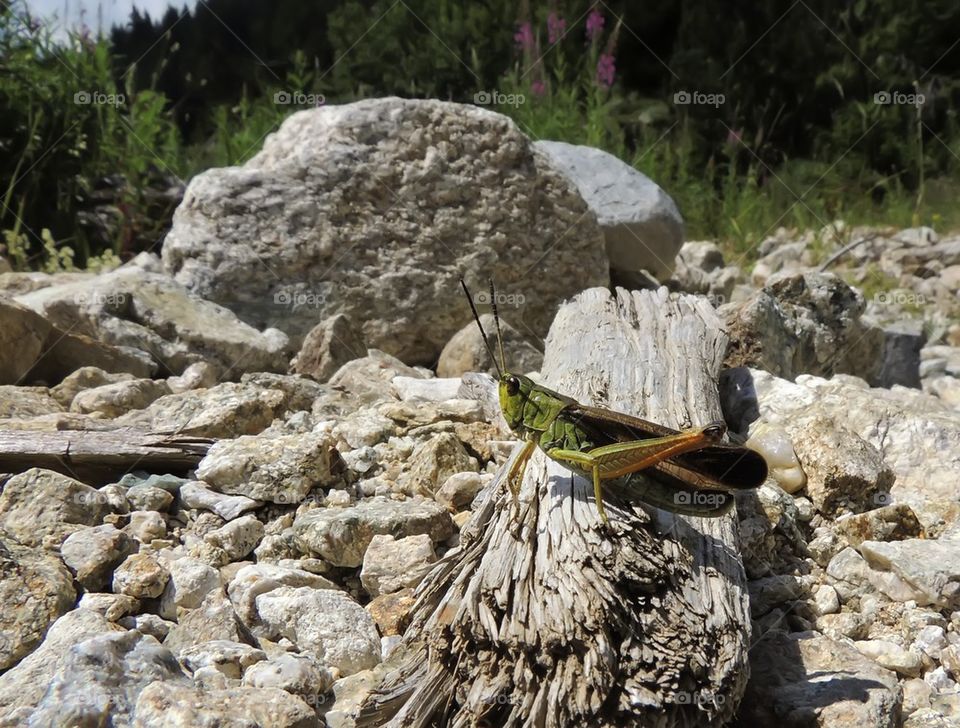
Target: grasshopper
{"points": [[690, 472]]}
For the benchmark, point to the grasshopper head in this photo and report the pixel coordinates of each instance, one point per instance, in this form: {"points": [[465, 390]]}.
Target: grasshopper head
{"points": [[514, 391]]}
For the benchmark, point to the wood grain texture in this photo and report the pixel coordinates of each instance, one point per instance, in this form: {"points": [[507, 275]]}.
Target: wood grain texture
{"points": [[99, 456], [543, 616]]}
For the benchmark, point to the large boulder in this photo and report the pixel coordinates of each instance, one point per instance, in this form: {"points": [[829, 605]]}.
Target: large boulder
{"points": [[641, 224], [374, 209]]}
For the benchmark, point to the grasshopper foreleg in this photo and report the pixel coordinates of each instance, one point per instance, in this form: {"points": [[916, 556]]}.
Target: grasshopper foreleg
{"points": [[519, 467]]}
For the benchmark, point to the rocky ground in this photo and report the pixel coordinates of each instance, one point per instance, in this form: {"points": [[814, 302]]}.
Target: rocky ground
{"points": [[266, 583]]}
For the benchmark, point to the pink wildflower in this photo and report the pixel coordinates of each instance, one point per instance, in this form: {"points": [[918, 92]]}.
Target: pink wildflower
{"points": [[606, 70], [595, 24], [556, 27]]}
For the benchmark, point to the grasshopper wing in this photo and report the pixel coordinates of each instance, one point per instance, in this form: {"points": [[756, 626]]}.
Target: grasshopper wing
{"points": [[717, 466]]}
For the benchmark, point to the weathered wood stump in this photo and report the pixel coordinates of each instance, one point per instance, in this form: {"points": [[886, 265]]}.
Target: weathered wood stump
{"points": [[546, 617], [100, 456]]}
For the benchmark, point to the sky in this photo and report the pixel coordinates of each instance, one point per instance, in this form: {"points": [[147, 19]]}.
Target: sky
{"points": [[97, 12]]}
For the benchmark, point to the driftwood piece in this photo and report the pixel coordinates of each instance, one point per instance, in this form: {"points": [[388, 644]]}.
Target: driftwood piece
{"points": [[95, 456], [544, 617]]}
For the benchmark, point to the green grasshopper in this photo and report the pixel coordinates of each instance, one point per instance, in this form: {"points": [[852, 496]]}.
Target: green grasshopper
{"points": [[690, 472]]}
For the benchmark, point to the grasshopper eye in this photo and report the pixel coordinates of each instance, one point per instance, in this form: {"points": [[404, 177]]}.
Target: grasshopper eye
{"points": [[513, 385]]}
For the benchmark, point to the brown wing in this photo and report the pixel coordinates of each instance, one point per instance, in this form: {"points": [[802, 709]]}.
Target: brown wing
{"points": [[714, 467]]}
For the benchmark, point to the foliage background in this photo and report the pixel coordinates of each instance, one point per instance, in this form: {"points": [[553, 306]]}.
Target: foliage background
{"points": [[798, 139]]}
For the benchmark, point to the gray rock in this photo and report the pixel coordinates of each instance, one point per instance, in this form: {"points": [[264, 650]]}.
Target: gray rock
{"points": [[772, 591], [804, 324], [459, 490], [364, 428], [149, 498], [145, 526], [23, 334], [843, 471], [237, 538], [887, 523], [112, 606], [41, 506], [826, 600], [328, 346], [117, 398], [418, 391], [433, 461], [165, 481], [93, 553], [23, 686], [900, 360], [891, 656], [199, 375], [641, 225], [228, 507], [82, 379], [327, 624], [297, 674], [923, 570], [190, 582], [812, 680], [232, 659], [918, 435], [849, 625], [24, 402], [227, 410], [700, 268], [280, 469], [141, 576], [176, 706], [149, 624], [213, 620], [371, 377], [341, 535], [101, 678], [153, 313], [465, 351], [391, 564], [35, 589], [379, 259], [256, 579]]}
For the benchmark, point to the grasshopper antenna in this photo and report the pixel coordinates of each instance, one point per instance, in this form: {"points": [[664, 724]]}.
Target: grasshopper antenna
{"points": [[483, 334], [496, 320]]}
